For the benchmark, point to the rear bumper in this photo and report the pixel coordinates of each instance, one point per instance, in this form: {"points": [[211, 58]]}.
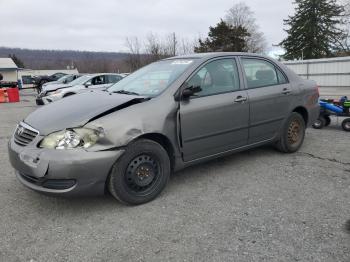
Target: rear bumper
{"points": [[62, 172], [313, 114]]}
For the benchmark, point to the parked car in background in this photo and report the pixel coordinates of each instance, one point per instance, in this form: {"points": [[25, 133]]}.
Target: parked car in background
{"points": [[39, 81], [166, 116], [63, 80], [56, 92]]}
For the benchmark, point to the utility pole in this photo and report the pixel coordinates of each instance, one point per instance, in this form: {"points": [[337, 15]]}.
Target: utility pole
{"points": [[174, 44]]}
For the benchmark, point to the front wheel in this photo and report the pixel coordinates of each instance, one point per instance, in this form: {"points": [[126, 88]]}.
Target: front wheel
{"points": [[141, 173], [346, 125], [292, 135]]}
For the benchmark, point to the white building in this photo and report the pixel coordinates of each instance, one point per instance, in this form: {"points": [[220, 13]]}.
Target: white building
{"points": [[331, 74], [8, 69]]}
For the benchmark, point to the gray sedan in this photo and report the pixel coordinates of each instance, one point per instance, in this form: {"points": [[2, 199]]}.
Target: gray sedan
{"points": [[164, 117]]}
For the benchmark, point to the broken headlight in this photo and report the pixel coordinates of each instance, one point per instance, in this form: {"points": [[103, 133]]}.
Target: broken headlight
{"points": [[71, 138]]}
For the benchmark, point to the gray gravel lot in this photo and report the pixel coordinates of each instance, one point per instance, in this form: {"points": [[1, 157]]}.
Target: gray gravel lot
{"points": [[259, 205]]}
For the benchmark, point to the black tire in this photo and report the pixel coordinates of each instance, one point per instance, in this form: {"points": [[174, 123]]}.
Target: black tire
{"points": [[346, 124], [320, 123], [140, 174], [328, 120], [292, 135]]}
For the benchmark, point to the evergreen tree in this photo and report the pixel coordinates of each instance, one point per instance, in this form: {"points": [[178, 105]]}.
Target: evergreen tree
{"points": [[314, 31], [224, 37], [16, 60]]}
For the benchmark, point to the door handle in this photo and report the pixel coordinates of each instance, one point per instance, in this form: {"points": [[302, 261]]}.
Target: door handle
{"points": [[286, 91], [240, 99]]}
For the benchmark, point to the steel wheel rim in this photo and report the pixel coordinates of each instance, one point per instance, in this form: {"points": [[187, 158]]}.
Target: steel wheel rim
{"points": [[347, 125], [142, 174], [294, 132]]}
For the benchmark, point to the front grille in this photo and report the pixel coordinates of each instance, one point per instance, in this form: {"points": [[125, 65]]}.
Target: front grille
{"points": [[24, 134]]}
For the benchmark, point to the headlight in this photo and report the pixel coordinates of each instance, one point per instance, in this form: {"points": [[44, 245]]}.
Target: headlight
{"points": [[71, 138]]}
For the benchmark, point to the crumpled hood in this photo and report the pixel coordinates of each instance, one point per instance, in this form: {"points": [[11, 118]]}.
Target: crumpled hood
{"points": [[53, 87], [77, 110]]}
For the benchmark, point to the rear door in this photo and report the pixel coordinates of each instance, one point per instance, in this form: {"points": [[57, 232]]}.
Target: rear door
{"points": [[269, 95], [215, 120]]}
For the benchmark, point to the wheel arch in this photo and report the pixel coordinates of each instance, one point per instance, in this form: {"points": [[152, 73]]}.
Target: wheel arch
{"points": [[303, 112], [164, 141]]}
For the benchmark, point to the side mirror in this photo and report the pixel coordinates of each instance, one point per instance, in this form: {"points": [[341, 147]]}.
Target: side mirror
{"points": [[87, 84], [190, 91]]}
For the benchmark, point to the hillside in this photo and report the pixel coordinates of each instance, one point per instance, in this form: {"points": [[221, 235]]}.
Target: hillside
{"points": [[85, 61]]}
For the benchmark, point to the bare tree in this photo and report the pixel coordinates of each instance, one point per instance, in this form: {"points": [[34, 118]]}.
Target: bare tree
{"points": [[241, 15], [134, 56], [153, 48], [171, 44]]}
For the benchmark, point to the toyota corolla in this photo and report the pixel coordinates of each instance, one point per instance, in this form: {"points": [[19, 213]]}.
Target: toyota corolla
{"points": [[162, 118]]}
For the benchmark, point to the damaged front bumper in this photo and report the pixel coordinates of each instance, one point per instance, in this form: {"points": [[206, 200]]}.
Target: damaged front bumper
{"points": [[71, 172], [44, 100]]}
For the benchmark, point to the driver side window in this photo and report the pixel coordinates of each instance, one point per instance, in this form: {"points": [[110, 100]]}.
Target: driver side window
{"points": [[217, 77], [98, 80]]}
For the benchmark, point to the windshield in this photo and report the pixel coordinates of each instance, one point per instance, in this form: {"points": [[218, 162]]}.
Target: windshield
{"points": [[80, 80], [153, 79]]}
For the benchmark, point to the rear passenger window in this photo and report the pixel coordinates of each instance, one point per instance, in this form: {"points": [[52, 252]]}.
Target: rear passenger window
{"points": [[217, 77], [260, 73]]}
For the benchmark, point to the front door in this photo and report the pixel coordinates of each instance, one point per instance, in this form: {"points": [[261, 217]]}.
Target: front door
{"points": [[216, 119]]}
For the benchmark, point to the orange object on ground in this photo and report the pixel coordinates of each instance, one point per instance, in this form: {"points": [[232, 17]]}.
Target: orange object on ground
{"points": [[13, 94], [3, 95]]}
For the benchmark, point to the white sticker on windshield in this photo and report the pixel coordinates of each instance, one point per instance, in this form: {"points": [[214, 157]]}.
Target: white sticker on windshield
{"points": [[182, 62]]}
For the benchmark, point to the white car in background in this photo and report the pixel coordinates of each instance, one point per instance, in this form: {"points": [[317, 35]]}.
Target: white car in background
{"points": [[63, 80], [51, 93]]}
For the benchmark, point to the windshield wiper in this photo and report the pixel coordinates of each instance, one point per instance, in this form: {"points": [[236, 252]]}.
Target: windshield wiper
{"points": [[124, 92]]}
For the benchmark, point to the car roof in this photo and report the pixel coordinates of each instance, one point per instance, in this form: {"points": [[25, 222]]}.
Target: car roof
{"points": [[99, 74], [215, 54]]}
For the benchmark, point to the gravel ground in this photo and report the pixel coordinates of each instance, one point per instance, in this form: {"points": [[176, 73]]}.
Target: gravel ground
{"points": [[259, 205]]}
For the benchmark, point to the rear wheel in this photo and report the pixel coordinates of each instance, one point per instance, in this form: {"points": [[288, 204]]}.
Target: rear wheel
{"points": [[320, 123], [141, 173], [293, 133], [346, 124]]}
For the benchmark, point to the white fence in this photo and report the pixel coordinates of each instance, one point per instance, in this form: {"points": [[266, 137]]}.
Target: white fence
{"points": [[331, 74]]}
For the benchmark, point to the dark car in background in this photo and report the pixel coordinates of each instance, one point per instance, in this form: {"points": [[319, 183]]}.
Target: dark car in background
{"points": [[66, 79], [164, 117], [39, 81]]}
